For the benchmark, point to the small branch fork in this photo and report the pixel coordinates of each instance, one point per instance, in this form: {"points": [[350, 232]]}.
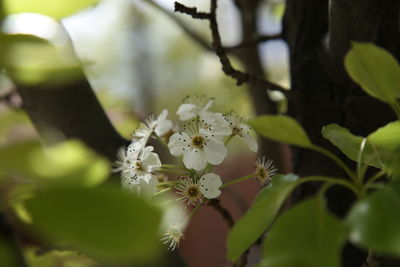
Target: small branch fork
{"points": [[239, 76], [221, 210]]}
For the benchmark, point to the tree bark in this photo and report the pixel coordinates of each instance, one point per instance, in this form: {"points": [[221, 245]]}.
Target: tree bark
{"points": [[250, 57], [319, 33], [71, 111]]}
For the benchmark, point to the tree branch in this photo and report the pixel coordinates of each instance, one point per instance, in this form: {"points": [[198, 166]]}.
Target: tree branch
{"points": [[228, 69], [202, 42], [255, 41], [215, 203], [198, 39], [71, 110]]}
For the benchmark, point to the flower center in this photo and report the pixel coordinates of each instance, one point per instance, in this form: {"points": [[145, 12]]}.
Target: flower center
{"points": [[139, 166], [193, 192], [262, 173], [237, 131], [198, 141]]}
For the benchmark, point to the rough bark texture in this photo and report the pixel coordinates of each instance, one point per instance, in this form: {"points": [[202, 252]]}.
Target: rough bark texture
{"points": [[319, 34], [71, 111], [251, 59]]}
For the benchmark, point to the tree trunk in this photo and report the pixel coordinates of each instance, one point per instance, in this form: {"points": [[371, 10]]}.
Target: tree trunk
{"points": [[319, 34]]}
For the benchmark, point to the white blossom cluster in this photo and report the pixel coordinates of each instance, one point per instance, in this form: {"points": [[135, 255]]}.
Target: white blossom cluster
{"points": [[198, 141]]}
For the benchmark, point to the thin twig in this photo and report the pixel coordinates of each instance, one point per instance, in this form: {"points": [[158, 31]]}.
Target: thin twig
{"points": [[9, 100], [186, 29], [201, 41], [372, 260], [256, 41], [221, 210], [228, 69]]}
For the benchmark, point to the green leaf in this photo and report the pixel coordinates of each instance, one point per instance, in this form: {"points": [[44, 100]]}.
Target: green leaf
{"points": [[305, 236], [374, 221], [69, 164], [52, 8], [281, 128], [32, 60], [376, 70], [380, 149], [260, 216], [348, 143], [8, 255], [103, 222]]}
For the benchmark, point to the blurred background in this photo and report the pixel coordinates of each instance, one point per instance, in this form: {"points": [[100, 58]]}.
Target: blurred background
{"points": [[138, 60]]}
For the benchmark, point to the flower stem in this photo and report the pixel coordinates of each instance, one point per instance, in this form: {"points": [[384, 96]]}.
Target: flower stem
{"points": [[171, 166], [331, 180], [237, 180], [162, 191], [338, 161], [171, 171], [168, 183], [228, 139]]}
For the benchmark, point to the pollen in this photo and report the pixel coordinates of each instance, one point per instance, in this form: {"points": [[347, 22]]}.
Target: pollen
{"points": [[198, 141]]}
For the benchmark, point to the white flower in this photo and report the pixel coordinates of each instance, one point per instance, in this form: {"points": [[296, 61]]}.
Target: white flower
{"points": [[264, 171], [126, 155], [173, 236], [210, 122], [242, 130], [193, 107], [160, 126], [214, 124], [137, 166], [141, 186], [189, 191], [209, 185], [197, 147]]}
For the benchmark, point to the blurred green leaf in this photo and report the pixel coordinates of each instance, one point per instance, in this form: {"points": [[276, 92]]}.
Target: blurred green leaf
{"points": [[32, 60], [374, 221], [349, 144], [381, 148], [52, 8], [376, 70], [260, 216], [10, 119], [58, 258], [68, 163], [305, 236], [104, 222], [10, 254], [281, 128], [7, 257]]}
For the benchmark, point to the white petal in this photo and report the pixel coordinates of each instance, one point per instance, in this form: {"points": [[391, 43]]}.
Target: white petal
{"points": [[209, 104], [215, 151], [251, 142], [129, 185], [187, 111], [163, 115], [151, 162], [219, 126], [134, 148], [178, 143], [148, 187], [195, 160], [163, 127], [209, 185]]}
